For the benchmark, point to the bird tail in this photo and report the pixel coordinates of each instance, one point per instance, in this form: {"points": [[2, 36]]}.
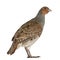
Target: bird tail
{"points": [[13, 48]]}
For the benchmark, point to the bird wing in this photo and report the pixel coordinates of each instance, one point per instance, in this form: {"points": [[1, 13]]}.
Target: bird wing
{"points": [[28, 30]]}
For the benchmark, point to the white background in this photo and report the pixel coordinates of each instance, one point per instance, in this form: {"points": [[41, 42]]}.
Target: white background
{"points": [[13, 13]]}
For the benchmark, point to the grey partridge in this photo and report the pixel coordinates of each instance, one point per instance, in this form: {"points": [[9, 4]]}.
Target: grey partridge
{"points": [[29, 32]]}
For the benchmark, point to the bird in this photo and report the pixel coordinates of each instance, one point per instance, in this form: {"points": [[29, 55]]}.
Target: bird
{"points": [[29, 33]]}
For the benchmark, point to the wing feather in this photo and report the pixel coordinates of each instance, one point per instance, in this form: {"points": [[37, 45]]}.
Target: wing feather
{"points": [[29, 29]]}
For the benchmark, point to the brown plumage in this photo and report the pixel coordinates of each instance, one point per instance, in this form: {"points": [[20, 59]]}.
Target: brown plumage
{"points": [[25, 33], [13, 48], [28, 33]]}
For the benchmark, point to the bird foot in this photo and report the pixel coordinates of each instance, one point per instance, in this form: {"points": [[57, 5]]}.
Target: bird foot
{"points": [[33, 56]]}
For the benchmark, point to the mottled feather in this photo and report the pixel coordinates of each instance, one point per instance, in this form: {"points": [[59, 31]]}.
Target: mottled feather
{"points": [[28, 30]]}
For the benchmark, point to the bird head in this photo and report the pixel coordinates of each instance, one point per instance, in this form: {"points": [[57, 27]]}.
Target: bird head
{"points": [[44, 10]]}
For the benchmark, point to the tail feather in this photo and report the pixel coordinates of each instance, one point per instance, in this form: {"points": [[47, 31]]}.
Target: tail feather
{"points": [[13, 48]]}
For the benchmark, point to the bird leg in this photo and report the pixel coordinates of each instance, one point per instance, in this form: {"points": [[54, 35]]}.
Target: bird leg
{"points": [[29, 54]]}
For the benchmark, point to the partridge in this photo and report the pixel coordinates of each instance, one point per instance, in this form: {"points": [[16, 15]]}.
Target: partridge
{"points": [[29, 32]]}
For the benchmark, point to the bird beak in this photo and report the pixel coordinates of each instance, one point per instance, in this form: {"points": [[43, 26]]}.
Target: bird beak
{"points": [[49, 10]]}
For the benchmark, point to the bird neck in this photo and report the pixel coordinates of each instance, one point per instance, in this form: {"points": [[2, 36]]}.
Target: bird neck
{"points": [[41, 18]]}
